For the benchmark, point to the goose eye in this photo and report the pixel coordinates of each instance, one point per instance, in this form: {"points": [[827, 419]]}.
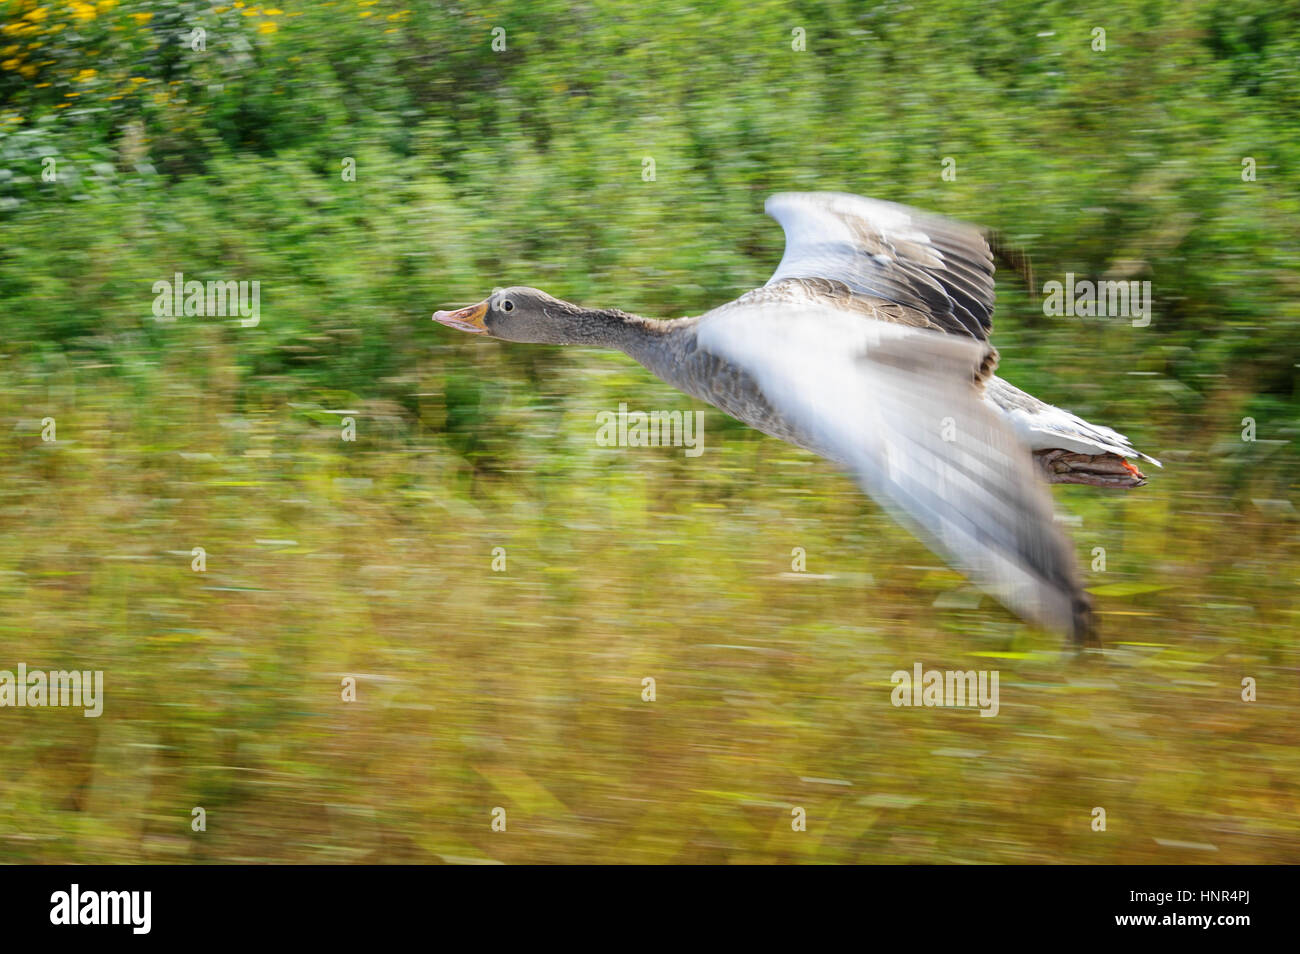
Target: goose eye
{"points": [[507, 305]]}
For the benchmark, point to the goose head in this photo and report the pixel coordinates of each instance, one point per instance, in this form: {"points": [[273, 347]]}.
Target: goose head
{"points": [[522, 314]]}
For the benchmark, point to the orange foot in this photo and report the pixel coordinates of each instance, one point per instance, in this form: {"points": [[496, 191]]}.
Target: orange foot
{"points": [[1131, 469]]}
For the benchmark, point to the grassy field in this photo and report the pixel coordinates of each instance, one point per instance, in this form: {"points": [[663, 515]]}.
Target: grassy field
{"points": [[522, 688]]}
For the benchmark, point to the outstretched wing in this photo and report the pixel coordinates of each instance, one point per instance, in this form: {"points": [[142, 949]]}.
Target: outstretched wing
{"points": [[940, 272], [899, 407]]}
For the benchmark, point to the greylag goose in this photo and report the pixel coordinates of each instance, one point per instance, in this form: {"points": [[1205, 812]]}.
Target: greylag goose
{"points": [[869, 346]]}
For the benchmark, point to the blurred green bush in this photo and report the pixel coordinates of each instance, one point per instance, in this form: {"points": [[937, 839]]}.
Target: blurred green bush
{"points": [[479, 167]]}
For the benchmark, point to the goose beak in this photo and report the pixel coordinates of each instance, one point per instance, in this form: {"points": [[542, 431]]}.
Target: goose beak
{"points": [[467, 319]]}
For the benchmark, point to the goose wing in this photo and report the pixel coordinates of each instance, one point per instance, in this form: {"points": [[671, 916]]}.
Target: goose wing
{"points": [[898, 406], [936, 273]]}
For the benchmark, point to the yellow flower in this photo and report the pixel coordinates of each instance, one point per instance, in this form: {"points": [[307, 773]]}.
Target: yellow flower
{"points": [[142, 18], [273, 12], [37, 15], [84, 11], [266, 26], [85, 76]]}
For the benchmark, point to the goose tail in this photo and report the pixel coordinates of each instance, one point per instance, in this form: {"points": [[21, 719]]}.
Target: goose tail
{"points": [[1068, 449]]}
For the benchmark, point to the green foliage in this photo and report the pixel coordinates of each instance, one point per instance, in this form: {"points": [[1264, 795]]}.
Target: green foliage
{"points": [[478, 168]]}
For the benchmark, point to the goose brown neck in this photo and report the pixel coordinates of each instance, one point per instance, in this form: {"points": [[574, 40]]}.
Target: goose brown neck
{"points": [[643, 339]]}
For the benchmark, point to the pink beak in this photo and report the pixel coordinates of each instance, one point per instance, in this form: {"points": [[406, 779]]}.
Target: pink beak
{"points": [[466, 319]]}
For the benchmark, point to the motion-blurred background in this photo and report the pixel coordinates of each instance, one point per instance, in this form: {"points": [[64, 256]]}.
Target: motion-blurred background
{"points": [[224, 154]]}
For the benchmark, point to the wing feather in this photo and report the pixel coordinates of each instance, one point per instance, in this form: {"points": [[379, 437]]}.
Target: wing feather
{"points": [[939, 269], [899, 408]]}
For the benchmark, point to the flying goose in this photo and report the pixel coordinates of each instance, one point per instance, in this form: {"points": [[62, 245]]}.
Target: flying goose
{"points": [[869, 346]]}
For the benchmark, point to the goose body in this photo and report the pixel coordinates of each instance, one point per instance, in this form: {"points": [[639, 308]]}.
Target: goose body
{"points": [[869, 346]]}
